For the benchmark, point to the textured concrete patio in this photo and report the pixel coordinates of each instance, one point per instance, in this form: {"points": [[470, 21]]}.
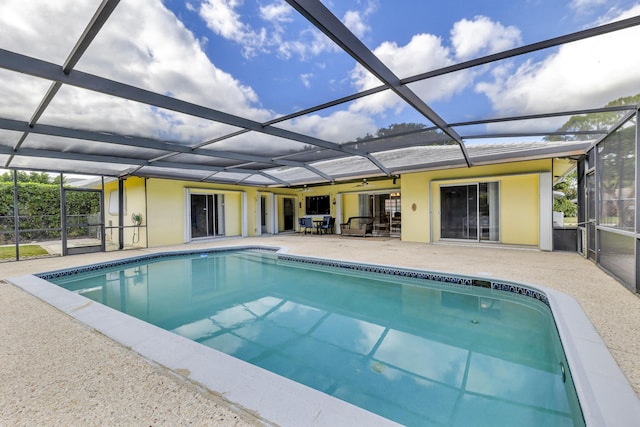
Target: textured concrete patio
{"points": [[56, 370]]}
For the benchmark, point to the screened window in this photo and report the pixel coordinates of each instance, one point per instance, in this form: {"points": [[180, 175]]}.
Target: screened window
{"points": [[317, 205], [617, 254], [617, 184], [113, 203]]}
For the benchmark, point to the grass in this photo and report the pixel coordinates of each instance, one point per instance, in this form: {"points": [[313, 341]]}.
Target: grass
{"points": [[9, 252]]}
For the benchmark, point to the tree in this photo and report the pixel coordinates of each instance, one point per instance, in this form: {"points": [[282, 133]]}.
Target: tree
{"points": [[569, 187], [37, 177], [594, 121], [406, 134], [617, 158]]}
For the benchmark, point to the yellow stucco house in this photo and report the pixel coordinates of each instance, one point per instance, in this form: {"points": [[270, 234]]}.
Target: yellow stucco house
{"points": [[506, 203]]}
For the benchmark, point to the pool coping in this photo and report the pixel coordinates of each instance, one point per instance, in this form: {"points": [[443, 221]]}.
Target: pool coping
{"points": [[605, 395]]}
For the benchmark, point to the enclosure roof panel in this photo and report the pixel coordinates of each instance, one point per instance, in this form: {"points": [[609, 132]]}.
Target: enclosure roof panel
{"points": [[304, 91]]}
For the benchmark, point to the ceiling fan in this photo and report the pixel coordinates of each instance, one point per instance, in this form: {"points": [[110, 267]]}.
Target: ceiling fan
{"points": [[305, 189], [365, 183]]}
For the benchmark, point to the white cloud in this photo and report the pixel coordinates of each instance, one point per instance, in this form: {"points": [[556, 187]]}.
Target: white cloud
{"points": [[27, 27], [155, 52], [279, 33], [223, 19], [423, 52], [341, 126], [482, 36], [585, 4], [426, 52], [306, 79], [279, 12], [354, 21], [583, 74], [311, 43], [159, 53]]}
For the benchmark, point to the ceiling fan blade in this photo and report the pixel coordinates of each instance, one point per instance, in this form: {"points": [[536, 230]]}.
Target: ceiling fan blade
{"points": [[364, 183], [305, 189]]}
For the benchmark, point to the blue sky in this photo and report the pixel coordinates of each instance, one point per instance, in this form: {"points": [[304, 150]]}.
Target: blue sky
{"points": [[299, 68], [261, 59]]}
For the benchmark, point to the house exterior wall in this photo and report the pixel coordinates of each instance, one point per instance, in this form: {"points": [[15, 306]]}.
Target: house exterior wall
{"points": [[519, 209], [420, 199], [168, 207], [166, 211], [349, 205], [519, 200], [134, 195], [167, 202]]}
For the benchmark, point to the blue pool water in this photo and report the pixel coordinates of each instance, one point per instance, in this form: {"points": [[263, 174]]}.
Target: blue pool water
{"points": [[418, 351]]}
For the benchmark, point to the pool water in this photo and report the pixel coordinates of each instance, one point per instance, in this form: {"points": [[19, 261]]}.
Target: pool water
{"points": [[416, 351]]}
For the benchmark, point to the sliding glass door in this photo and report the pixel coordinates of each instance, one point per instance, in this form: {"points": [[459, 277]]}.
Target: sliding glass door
{"points": [[470, 211], [384, 209], [207, 215]]}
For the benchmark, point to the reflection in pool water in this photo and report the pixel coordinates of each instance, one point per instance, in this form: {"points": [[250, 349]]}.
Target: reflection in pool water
{"points": [[415, 351]]}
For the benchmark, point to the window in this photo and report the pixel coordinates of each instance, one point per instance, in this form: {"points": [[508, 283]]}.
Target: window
{"points": [[318, 205], [617, 178], [113, 203]]}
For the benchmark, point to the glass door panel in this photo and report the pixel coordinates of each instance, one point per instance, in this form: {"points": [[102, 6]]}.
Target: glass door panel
{"points": [[489, 208], [289, 214], [199, 223], [459, 208], [470, 212], [591, 215], [394, 213], [207, 215]]}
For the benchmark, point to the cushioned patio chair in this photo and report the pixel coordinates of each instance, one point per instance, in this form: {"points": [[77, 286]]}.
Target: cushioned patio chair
{"points": [[328, 223], [307, 224], [357, 226]]}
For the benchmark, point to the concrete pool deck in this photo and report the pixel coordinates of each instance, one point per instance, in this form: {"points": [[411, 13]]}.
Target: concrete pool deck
{"points": [[56, 370]]}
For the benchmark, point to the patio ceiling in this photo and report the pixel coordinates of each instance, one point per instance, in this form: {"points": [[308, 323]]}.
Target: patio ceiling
{"points": [[44, 126]]}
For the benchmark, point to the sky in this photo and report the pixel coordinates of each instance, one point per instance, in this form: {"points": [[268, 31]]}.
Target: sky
{"points": [[262, 60]]}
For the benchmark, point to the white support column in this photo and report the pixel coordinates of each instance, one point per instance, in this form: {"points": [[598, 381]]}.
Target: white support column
{"points": [[339, 219], [187, 219], [273, 199], [546, 212], [245, 215], [259, 213]]}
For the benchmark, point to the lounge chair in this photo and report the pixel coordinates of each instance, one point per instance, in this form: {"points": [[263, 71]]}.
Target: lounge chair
{"points": [[357, 226]]}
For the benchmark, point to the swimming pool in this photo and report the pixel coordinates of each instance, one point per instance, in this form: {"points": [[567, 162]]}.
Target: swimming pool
{"points": [[422, 314]]}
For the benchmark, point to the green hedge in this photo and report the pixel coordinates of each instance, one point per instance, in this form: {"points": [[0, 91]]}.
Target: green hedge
{"points": [[39, 208]]}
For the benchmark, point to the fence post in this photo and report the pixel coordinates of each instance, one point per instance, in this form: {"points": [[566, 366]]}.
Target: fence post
{"points": [[16, 217]]}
